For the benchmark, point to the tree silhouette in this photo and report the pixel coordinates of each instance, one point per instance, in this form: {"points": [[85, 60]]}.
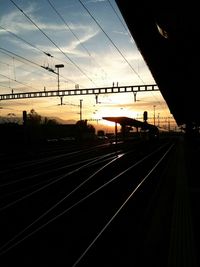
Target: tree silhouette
{"points": [[33, 118]]}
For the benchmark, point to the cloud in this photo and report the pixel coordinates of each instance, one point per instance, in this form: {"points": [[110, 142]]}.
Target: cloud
{"points": [[62, 36], [104, 67], [15, 22], [18, 23], [87, 35]]}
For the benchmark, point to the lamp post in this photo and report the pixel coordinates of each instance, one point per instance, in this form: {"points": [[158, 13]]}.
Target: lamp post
{"points": [[58, 67]]}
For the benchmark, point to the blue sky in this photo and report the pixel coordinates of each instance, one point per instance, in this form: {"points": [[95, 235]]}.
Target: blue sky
{"points": [[65, 30]]}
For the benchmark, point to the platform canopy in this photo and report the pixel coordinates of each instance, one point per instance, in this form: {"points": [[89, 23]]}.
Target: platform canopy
{"points": [[125, 121], [168, 39]]}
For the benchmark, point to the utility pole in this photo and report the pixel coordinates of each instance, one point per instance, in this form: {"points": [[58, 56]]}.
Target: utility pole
{"points": [[58, 67], [169, 124], [81, 106], [154, 118], [116, 133]]}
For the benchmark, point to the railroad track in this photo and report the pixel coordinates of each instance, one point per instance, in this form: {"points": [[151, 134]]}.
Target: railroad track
{"points": [[84, 211]]}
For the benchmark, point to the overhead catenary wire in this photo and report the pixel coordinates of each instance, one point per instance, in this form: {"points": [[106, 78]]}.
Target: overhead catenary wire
{"points": [[67, 25], [9, 65], [109, 38], [124, 26], [46, 34], [6, 86], [46, 25], [121, 21], [33, 46], [28, 43], [7, 52], [18, 82], [74, 34], [127, 30], [74, 63]]}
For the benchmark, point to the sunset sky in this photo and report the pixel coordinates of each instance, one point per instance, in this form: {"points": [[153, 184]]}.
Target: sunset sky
{"points": [[91, 39]]}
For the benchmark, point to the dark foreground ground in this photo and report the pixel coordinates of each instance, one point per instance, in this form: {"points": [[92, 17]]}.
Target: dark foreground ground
{"points": [[170, 238]]}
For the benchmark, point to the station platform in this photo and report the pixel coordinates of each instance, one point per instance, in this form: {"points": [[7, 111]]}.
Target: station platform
{"points": [[173, 238]]}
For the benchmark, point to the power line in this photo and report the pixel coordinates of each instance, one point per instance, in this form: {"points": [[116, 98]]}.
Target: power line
{"points": [[12, 53], [9, 65], [5, 86], [1, 62], [28, 43], [61, 17], [126, 29], [77, 38], [52, 41], [35, 47], [121, 21], [34, 63], [18, 81], [111, 41]]}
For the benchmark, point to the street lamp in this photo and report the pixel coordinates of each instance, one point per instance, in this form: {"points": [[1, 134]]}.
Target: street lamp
{"points": [[58, 67]]}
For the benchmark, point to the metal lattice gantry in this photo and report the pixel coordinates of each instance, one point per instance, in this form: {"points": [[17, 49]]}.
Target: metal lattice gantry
{"points": [[79, 92]]}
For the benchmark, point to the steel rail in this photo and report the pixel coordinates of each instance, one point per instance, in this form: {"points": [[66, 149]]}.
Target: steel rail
{"points": [[8, 245]]}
